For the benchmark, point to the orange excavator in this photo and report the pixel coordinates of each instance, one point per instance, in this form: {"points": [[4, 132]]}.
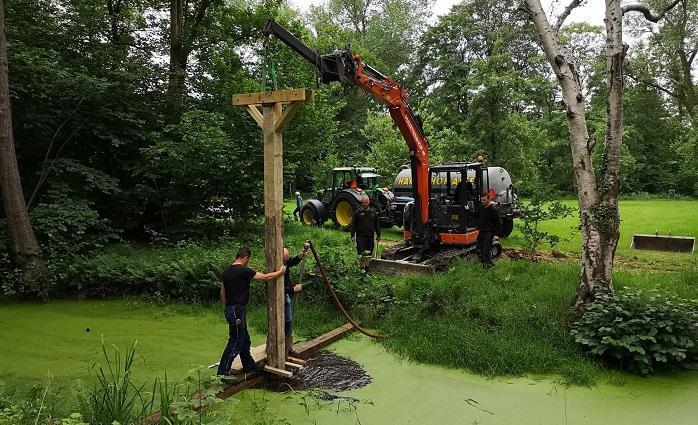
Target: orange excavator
{"points": [[437, 226]]}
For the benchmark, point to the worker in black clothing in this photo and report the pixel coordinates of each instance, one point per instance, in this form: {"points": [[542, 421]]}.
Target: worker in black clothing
{"points": [[290, 291], [364, 224], [235, 293], [489, 224]]}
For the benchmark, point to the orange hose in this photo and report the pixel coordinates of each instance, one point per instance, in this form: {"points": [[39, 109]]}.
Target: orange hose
{"points": [[339, 305]]}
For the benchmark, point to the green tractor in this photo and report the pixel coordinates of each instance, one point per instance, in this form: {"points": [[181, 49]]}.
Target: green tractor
{"points": [[342, 195]]}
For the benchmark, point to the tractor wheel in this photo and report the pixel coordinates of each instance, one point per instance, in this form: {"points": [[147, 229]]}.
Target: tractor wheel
{"points": [[344, 207], [507, 227], [309, 215]]}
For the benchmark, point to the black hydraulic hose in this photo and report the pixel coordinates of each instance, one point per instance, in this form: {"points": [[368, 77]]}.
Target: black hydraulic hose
{"points": [[339, 305]]}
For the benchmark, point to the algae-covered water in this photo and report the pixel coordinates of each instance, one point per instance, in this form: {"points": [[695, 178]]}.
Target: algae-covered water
{"points": [[405, 393], [63, 338], [37, 340]]}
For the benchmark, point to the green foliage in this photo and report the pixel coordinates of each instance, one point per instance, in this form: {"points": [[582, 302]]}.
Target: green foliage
{"points": [[388, 147], [28, 406], [196, 167], [537, 210], [198, 404], [189, 271], [74, 419], [477, 71], [638, 333], [115, 397], [68, 227]]}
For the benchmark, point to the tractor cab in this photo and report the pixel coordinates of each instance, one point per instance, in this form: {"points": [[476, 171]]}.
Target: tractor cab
{"points": [[342, 178]]}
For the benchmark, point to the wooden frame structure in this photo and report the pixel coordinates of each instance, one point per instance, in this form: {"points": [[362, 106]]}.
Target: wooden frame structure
{"points": [[273, 111]]}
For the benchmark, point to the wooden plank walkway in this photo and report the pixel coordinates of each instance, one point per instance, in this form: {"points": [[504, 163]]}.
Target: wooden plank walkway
{"points": [[249, 380], [303, 351]]}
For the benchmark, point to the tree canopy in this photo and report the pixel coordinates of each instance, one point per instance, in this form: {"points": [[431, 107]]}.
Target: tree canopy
{"points": [[110, 146]]}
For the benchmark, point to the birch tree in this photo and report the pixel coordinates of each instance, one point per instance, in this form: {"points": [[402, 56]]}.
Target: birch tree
{"points": [[597, 191]]}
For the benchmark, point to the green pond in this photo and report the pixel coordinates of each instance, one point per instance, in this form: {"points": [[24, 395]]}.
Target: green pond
{"points": [[406, 393], [42, 339]]}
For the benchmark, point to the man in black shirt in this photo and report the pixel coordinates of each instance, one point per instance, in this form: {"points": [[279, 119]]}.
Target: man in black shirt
{"points": [[364, 224], [235, 293], [290, 291], [489, 224]]}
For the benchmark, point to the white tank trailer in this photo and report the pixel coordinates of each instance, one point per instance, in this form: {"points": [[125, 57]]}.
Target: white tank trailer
{"points": [[506, 199]]}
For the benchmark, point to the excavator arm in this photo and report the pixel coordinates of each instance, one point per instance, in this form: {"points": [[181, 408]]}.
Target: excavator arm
{"points": [[342, 66]]}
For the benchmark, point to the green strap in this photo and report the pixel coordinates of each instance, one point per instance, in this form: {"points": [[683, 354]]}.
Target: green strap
{"points": [[268, 67]]}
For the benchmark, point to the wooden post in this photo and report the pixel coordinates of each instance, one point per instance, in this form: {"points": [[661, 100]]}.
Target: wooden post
{"points": [[273, 118]]}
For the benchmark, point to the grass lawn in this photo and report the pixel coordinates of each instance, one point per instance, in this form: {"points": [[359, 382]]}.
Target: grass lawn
{"points": [[678, 217]]}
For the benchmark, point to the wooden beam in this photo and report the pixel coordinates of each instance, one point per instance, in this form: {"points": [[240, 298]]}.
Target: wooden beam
{"points": [[308, 348], [273, 230], [293, 366], [242, 385], [293, 360], [287, 115], [279, 372], [271, 97], [254, 113]]}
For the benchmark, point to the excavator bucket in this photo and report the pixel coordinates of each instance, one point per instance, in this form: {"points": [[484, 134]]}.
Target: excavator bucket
{"points": [[659, 242], [399, 267]]}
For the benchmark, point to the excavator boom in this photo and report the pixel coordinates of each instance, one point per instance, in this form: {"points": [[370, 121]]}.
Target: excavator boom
{"points": [[350, 69]]}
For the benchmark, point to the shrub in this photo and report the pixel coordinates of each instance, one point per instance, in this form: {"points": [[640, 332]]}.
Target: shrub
{"points": [[189, 271], [31, 404], [636, 333], [536, 211]]}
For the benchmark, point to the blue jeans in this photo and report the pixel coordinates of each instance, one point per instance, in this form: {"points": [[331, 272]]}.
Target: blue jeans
{"points": [[288, 315], [238, 339]]}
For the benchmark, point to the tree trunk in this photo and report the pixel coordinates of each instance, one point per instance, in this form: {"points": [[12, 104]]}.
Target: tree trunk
{"points": [[178, 62], [597, 247], [26, 251]]}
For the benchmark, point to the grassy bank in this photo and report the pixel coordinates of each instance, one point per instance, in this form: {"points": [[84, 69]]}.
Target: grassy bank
{"points": [[508, 320]]}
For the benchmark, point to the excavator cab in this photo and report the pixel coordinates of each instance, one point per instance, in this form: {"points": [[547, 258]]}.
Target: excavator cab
{"points": [[455, 196]]}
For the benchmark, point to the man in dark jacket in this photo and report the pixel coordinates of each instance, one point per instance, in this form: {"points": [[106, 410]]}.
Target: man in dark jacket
{"points": [[489, 224], [290, 291], [364, 224], [235, 293]]}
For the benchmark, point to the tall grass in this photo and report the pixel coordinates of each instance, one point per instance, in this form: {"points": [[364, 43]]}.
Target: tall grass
{"points": [[115, 397], [505, 321]]}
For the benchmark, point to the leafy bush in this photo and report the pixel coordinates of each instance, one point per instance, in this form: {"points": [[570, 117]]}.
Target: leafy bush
{"points": [[637, 333], [188, 271], [67, 227], [536, 211]]}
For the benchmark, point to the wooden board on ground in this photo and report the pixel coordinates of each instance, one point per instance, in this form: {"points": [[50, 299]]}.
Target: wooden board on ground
{"points": [[308, 348], [399, 268], [280, 372], [295, 360], [293, 366]]}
